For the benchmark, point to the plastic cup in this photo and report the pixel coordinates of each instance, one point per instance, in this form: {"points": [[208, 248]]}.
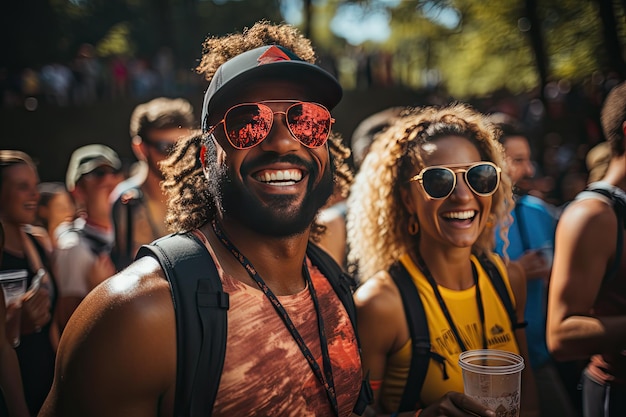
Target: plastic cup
{"points": [[14, 287], [494, 378]]}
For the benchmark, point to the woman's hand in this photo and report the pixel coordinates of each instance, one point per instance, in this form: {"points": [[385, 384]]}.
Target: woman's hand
{"points": [[456, 404], [36, 310], [535, 265]]}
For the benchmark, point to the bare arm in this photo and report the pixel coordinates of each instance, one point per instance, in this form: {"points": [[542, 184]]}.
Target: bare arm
{"points": [[10, 376], [530, 397], [585, 245], [381, 325], [117, 355], [383, 330]]}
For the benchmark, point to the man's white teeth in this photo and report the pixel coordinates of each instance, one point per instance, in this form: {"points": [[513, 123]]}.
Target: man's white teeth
{"points": [[460, 215], [285, 175]]}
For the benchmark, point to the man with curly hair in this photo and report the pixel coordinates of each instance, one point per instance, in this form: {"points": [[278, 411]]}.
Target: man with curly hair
{"points": [[587, 298], [247, 189], [139, 206]]}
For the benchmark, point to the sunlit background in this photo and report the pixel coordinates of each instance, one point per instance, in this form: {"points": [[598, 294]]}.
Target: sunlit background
{"points": [[72, 70]]}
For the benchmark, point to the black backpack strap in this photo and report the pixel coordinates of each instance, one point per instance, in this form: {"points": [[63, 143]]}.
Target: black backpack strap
{"points": [[619, 206], [420, 338], [201, 308], [498, 283], [344, 285]]}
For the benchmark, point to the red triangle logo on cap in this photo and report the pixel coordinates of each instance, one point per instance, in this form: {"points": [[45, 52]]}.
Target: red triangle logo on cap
{"points": [[273, 54]]}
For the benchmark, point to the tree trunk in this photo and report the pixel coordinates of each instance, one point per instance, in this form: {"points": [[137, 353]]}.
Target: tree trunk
{"points": [[163, 11], [308, 11], [611, 40], [536, 41]]}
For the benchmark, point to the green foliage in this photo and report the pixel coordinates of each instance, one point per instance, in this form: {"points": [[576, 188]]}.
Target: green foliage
{"points": [[573, 38], [488, 52], [116, 42], [487, 48], [490, 49]]}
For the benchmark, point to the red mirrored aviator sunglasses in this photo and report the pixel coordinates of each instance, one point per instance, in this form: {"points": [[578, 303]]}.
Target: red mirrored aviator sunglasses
{"points": [[248, 124]]}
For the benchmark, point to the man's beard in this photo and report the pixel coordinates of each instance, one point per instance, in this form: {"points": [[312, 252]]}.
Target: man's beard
{"points": [[279, 215]]}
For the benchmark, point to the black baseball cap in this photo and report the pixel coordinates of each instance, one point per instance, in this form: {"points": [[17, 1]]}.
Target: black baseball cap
{"points": [[272, 61]]}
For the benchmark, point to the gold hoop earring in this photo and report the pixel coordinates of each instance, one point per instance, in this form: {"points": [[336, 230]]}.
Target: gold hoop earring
{"points": [[414, 226]]}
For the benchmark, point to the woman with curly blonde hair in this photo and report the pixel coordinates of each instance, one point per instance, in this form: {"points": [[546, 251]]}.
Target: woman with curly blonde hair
{"points": [[427, 200]]}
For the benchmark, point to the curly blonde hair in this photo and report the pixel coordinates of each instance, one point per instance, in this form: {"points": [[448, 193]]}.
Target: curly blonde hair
{"points": [[191, 198], [377, 218]]}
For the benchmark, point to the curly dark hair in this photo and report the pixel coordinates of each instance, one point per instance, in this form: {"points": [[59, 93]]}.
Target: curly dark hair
{"points": [[613, 116], [218, 50], [190, 196]]}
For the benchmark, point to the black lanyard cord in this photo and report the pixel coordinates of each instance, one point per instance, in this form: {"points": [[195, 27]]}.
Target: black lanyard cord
{"points": [[444, 308], [325, 378]]}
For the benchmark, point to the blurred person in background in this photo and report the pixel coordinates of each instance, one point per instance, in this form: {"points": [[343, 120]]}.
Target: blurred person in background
{"points": [[597, 161], [82, 258], [529, 241], [587, 299], [14, 404], [22, 250], [139, 206], [333, 217], [55, 209]]}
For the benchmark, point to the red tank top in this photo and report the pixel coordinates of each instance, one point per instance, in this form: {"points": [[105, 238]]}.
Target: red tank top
{"points": [[265, 372]]}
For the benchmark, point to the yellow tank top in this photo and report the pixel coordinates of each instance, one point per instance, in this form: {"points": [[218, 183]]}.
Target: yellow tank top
{"points": [[464, 312]]}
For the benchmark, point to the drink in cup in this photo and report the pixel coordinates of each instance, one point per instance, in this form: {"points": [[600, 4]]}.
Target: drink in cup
{"points": [[493, 377], [14, 287]]}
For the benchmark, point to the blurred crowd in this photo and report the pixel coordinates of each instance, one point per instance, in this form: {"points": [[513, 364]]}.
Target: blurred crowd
{"points": [[89, 78], [84, 228]]}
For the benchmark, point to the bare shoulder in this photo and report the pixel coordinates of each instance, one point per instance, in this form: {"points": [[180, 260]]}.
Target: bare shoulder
{"points": [[134, 303], [380, 295], [587, 226], [119, 347], [587, 214], [382, 322]]}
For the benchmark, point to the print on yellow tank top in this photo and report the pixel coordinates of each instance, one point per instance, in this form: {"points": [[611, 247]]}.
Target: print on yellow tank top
{"points": [[464, 311]]}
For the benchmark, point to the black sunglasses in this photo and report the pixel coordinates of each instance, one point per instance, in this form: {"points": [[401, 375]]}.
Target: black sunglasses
{"points": [[162, 146], [248, 124], [483, 178], [102, 171]]}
